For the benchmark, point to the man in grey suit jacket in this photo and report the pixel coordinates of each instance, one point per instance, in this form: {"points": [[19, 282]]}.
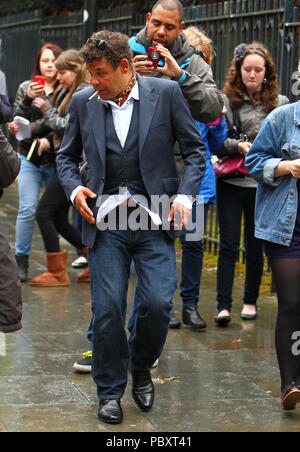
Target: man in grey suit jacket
{"points": [[127, 126]]}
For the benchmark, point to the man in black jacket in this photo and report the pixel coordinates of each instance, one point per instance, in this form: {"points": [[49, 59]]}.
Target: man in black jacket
{"points": [[10, 286]]}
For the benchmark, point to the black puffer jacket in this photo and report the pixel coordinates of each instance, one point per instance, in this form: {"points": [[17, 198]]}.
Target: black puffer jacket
{"points": [[10, 286]]}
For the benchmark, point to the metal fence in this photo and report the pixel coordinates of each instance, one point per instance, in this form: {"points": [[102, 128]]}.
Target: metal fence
{"points": [[276, 23]]}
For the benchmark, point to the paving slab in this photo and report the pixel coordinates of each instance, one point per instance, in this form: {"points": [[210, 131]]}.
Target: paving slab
{"points": [[217, 380]]}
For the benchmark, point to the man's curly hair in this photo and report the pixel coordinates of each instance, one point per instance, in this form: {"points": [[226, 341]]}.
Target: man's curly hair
{"points": [[118, 49]]}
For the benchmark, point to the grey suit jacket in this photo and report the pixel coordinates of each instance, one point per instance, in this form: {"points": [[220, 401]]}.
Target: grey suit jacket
{"points": [[164, 119]]}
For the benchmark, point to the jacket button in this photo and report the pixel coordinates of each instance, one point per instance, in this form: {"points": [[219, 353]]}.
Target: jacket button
{"points": [[290, 217]]}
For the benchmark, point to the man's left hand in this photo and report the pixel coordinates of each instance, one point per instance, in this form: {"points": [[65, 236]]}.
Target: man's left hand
{"points": [[179, 216], [171, 68]]}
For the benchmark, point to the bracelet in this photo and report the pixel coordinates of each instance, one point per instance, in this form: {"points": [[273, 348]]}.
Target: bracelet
{"points": [[183, 77]]}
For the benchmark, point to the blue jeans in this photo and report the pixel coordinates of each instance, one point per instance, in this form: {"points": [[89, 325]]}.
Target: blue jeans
{"points": [[30, 181], [110, 259]]}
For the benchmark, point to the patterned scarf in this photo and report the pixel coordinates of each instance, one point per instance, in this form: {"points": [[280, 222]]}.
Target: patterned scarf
{"points": [[121, 98]]}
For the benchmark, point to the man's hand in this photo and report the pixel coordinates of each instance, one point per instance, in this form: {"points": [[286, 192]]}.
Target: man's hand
{"points": [[81, 204], [142, 65], [171, 67], [179, 216]]}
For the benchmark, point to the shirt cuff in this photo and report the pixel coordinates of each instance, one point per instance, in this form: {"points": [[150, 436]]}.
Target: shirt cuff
{"points": [[74, 193], [184, 200], [269, 172]]}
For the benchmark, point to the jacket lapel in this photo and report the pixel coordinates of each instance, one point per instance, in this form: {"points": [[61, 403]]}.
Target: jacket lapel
{"points": [[148, 102], [97, 119]]}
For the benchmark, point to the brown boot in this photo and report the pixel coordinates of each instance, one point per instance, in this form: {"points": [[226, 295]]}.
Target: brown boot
{"points": [[84, 277], [57, 275]]}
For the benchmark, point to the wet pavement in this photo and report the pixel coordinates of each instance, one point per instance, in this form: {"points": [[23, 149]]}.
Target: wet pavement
{"points": [[219, 380]]}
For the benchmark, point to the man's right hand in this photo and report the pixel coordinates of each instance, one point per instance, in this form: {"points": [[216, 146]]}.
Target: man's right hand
{"points": [[81, 204], [142, 65]]}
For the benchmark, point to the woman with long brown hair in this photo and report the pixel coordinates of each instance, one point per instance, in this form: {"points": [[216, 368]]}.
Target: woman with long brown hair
{"points": [[251, 93]]}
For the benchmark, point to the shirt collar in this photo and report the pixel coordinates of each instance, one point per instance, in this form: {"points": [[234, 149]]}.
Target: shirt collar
{"points": [[134, 95]]}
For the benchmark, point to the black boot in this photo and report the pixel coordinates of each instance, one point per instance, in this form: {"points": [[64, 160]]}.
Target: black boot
{"points": [[142, 388], [22, 262], [190, 316]]}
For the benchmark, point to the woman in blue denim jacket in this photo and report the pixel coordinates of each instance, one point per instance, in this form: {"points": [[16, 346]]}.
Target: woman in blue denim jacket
{"points": [[274, 161]]}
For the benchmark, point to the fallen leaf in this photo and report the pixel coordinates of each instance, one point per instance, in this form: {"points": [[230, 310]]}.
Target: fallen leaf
{"points": [[163, 380]]}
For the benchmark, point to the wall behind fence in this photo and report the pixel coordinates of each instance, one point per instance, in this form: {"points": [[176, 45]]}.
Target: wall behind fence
{"points": [[273, 22]]}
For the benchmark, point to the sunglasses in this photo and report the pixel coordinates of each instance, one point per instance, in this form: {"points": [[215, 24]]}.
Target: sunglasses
{"points": [[100, 44]]}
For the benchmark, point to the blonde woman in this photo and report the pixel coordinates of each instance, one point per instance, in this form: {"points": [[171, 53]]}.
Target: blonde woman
{"points": [[53, 209]]}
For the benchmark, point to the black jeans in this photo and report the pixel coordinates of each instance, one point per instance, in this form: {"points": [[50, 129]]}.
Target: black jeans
{"points": [[192, 262], [53, 218], [232, 202]]}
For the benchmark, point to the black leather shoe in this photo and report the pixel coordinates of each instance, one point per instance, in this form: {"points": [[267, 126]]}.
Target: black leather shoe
{"points": [[190, 316], [110, 411], [142, 388], [174, 322]]}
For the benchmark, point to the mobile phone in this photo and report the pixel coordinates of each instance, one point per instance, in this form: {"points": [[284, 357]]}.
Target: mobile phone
{"points": [[40, 79], [154, 56]]}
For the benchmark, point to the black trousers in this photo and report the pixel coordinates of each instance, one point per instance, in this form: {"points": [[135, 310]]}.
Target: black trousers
{"points": [[53, 218], [10, 290], [287, 279], [232, 203]]}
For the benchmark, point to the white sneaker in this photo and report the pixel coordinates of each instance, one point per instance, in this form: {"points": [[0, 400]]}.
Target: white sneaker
{"points": [[81, 262]]}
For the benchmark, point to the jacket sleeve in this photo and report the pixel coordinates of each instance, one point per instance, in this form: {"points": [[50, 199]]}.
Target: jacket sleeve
{"points": [[9, 163], [264, 156], [70, 154], [217, 135], [5, 109], [192, 147], [22, 104], [205, 100]]}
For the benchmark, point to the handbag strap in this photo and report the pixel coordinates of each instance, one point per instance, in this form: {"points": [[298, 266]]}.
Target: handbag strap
{"points": [[236, 124]]}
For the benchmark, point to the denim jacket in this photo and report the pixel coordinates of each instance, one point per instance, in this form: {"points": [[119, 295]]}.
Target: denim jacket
{"points": [[277, 198]]}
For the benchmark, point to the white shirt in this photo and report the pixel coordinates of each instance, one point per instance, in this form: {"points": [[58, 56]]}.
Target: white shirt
{"points": [[122, 118]]}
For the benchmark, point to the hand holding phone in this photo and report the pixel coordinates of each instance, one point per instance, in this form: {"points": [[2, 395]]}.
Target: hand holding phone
{"points": [[36, 87]]}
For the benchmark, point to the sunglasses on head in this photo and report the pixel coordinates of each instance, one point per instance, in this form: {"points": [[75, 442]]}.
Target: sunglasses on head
{"points": [[100, 44]]}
